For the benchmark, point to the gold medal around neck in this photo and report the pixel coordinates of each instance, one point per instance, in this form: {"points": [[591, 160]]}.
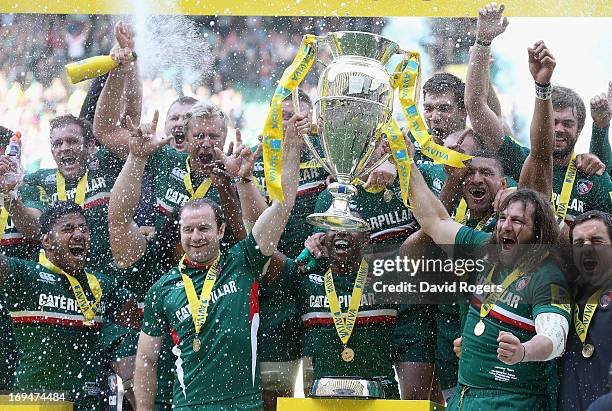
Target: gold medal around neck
{"points": [[588, 350], [196, 344], [348, 354], [479, 328], [388, 195]]}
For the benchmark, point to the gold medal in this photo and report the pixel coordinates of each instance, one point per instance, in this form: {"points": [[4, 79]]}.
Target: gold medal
{"points": [[479, 328], [348, 354], [388, 195], [588, 350], [196, 344]]}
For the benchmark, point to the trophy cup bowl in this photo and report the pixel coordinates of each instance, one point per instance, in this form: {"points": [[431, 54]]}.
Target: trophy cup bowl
{"points": [[354, 102]]}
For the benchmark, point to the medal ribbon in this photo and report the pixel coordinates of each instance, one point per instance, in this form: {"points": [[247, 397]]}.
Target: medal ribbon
{"points": [[202, 189], [566, 190], [4, 215], [582, 325], [486, 307], [273, 129], [462, 215], [60, 183], [406, 77], [344, 327], [199, 306], [85, 306]]}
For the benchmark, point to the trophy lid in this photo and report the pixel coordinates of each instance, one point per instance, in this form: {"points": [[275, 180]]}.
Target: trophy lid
{"points": [[359, 43]]}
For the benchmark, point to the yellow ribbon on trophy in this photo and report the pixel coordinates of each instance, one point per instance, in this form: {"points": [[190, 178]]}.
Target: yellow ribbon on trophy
{"points": [[87, 308], [273, 128], [407, 74], [399, 151]]}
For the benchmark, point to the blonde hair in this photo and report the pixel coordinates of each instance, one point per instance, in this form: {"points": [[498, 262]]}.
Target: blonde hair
{"points": [[206, 110]]}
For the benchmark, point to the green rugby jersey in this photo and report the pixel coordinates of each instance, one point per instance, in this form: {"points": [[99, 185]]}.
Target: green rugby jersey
{"points": [[479, 366], [169, 167], [57, 351], [223, 374], [101, 175], [390, 222], [371, 337], [588, 192], [312, 182]]}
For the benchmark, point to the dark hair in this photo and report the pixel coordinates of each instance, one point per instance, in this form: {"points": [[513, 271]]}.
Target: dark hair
{"points": [[5, 136], [203, 202], [187, 100], [69, 119], [598, 215], [57, 211], [486, 153], [444, 82], [563, 97], [545, 228]]}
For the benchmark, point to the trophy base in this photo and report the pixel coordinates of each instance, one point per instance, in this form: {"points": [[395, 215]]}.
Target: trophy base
{"points": [[347, 387], [339, 217]]}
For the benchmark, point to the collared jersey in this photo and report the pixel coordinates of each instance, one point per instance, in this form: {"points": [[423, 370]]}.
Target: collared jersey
{"points": [[479, 366], [57, 351], [101, 175], [169, 167], [223, 374], [588, 193]]}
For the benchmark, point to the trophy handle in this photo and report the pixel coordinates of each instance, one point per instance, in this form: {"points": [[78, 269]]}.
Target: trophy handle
{"points": [[315, 154], [377, 163]]}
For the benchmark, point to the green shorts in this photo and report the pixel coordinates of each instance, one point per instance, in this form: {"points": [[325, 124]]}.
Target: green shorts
{"points": [[414, 338], [477, 399]]}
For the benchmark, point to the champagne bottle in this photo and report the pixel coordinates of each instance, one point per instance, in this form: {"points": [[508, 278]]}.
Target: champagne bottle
{"points": [[91, 67]]}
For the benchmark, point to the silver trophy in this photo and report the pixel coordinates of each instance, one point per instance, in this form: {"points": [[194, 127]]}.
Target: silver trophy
{"points": [[354, 102]]}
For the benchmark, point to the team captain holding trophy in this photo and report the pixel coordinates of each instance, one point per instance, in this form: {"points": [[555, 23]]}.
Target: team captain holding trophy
{"points": [[350, 347]]}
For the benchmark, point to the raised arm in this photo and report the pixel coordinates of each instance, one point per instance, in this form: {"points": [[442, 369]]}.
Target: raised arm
{"points": [[25, 218], [485, 122], [601, 112], [145, 374], [120, 97], [427, 209], [128, 244], [271, 224], [537, 171]]}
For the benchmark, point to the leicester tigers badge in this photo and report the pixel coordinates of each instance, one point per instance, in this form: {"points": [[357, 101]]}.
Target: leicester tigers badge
{"points": [[584, 186], [522, 283]]}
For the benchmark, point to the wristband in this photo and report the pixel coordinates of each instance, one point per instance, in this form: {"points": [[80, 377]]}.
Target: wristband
{"points": [[543, 91], [524, 352], [483, 43]]}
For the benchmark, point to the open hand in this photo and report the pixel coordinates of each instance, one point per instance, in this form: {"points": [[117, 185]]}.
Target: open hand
{"points": [[601, 108], [144, 139]]}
